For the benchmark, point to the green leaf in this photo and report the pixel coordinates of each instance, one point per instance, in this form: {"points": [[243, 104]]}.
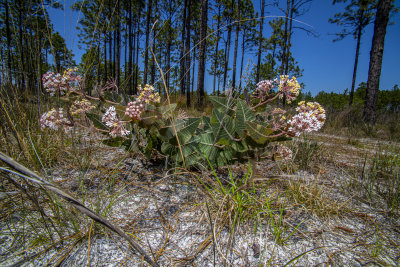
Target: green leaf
{"points": [[258, 132], [166, 110], [166, 133], [114, 142], [207, 147], [187, 131], [240, 146], [222, 126], [96, 120], [168, 149], [206, 123], [224, 104], [243, 114]]}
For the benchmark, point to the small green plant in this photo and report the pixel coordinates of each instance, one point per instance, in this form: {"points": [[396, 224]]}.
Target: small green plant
{"points": [[279, 230], [381, 178]]}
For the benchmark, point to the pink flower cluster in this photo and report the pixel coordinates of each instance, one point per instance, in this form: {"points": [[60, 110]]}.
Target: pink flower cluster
{"points": [[81, 106], [134, 109], [54, 119], [263, 88], [289, 87], [284, 153], [111, 120], [311, 117], [146, 95], [55, 82]]}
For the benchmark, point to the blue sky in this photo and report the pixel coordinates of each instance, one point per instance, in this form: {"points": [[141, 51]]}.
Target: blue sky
{"points": [[327, 65]]}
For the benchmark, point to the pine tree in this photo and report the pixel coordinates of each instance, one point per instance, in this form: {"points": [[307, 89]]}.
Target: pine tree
{"points": [[357, 15]]}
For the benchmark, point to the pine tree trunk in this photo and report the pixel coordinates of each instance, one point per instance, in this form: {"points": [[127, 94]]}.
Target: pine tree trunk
{"points": [[285, 39], [228, 48], [105, 57], [146, 51], [216, 47], [260, 38], [242, 62], [182, 57], [353, 82], [202, 54], [137, 69], [289, 37], [187, 52], [375, 63], [130, 48], [236, 47]]}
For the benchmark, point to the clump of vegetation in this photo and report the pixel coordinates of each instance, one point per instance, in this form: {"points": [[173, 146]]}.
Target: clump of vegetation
{"points": [[234, 131]]}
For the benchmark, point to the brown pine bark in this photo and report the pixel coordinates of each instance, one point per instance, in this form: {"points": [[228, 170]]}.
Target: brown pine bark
{"points": [[146, 49], [375, 63], [353, 82], [182, 57], [202, 54], [260, 37], [187, 52], [236, 46]]}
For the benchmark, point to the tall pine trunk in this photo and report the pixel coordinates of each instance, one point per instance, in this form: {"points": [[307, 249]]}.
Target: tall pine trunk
{"points": [[236, 46], [216, 47], [260, 39], [202, 54], [182, 54], [353, 82], [227, 50], [146, 51], [375, 63], [187, 53]]}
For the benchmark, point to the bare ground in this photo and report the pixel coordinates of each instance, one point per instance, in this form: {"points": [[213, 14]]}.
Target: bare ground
{"points": [[326, 218]]}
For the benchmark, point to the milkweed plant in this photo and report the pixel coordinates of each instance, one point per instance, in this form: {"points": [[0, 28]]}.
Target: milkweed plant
{"points": [[236, 129]]}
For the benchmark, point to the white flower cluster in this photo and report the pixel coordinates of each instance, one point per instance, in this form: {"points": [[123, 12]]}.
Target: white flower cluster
{"points": [[111, 120], [311, 117], [81, 106], [54, 119], [263, 88], [55, 82]]}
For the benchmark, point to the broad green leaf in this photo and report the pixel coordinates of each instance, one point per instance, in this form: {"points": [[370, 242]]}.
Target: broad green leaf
{"points": [[168, 149], [207, 147], [222, 126], [240, 146], [97, 122], [166, 110], [167, 132], [114, 142], [224, 104], [258, 132], [186, 132], [206, 124], [243, 114]]}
